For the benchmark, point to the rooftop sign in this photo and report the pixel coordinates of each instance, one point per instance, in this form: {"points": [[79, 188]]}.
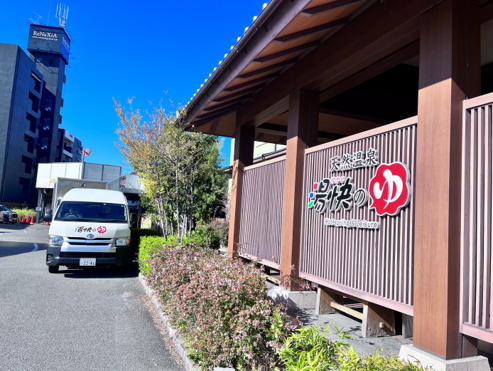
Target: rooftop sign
{"points": [[50, 40]]}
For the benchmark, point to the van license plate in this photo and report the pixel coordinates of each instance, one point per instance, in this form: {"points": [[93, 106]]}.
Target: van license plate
{"points": [[87, 262]]}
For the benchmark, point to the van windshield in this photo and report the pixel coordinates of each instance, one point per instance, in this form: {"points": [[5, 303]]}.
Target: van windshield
{"points": [[74, 211]]}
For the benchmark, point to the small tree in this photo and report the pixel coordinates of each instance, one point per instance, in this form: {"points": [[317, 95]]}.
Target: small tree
{"points": [[180, 170]]}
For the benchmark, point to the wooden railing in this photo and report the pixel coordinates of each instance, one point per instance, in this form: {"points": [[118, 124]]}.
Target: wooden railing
{"points": [[261, 211], [477, 208]]}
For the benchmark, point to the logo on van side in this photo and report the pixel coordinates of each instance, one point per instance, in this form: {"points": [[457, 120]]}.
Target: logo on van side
{"points": [[84, 229], [102, 229]]}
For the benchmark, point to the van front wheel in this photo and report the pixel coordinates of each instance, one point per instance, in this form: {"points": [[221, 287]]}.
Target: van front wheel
{"points": [[53, 268]]}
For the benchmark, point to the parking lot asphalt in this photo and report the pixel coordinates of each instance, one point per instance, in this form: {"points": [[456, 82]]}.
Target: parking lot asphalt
{"points": [[94, 319], [24, 233]]}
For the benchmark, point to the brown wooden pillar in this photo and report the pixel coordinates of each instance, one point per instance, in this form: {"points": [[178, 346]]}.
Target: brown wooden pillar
{"points": [[449, 71], [243, 156], [302, 133]]}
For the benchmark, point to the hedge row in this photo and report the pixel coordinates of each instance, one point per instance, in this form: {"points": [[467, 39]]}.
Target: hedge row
{"points": [[221, 307]]}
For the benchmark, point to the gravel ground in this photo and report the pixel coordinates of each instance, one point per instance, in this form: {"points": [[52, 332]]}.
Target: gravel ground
{"points": [[387, 345]]}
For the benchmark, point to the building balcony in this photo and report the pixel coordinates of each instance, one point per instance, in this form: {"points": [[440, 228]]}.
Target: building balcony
{"points": [[69, 137]]}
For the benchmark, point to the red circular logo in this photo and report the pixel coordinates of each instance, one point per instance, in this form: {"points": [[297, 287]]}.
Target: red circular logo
{"points": [[390, 189], [101, 229]]}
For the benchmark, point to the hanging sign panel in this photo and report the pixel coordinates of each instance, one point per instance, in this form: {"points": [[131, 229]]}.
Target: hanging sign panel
{"points": [[389, 190], [358, 214]]}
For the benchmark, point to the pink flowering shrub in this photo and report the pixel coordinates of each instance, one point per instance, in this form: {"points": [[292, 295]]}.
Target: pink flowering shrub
{"points": [[221, 307]]}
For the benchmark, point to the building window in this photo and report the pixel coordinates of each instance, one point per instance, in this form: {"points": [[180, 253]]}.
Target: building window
{"points": [[32, 122], [30, 143], [67, 147], [48, 104], [37, 82], [46, 124], [24, 182], [51, 62], [44, 143], [34, 102], [28, 164]]}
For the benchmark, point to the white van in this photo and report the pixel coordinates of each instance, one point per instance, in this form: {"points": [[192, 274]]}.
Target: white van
{"points": [[90, 228]]}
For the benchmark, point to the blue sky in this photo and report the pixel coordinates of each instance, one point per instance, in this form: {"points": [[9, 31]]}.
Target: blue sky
{"points": [[135, 49]]}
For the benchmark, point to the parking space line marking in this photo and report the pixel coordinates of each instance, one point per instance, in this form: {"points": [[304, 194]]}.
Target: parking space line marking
{"points": [[35, 247]]}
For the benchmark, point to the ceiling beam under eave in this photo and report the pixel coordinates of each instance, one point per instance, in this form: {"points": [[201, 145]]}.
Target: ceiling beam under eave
{"points": [[226, 104], [289, 51], [272, 129], [375, 69], [213, 128], [486, 12], [311, 31], [252, 82], [353, 116], [268, 68], [239, 94], [213, 114], [317, 10], [205, 121], [281, 130]]}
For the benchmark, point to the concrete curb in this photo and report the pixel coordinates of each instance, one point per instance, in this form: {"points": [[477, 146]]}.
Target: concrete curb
{"points": [[413, 354], [177, 340]]}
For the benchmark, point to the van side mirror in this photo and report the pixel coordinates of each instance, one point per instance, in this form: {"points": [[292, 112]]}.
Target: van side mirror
{"points": [[48, 216]]}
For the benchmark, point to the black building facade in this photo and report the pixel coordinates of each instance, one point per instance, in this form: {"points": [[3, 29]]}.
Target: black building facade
{"points": [[30, 103]]}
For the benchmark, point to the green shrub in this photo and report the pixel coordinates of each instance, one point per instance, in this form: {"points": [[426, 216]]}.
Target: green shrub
{"points": [[26, 212], [222, 308], [174, 241], [148, 246], [309, 350], [205, 235], [349, 360], [135, 235]]}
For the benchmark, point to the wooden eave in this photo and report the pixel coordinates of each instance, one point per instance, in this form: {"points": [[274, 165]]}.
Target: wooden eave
{"points": [[273, 44], [327, 46]]}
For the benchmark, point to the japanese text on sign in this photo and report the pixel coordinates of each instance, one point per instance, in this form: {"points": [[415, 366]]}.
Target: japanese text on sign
{"points": [[356, 160], [333, 196]]}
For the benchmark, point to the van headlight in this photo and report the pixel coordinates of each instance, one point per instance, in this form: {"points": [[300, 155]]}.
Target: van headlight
{"points": [[124, 241], [55, 240]]}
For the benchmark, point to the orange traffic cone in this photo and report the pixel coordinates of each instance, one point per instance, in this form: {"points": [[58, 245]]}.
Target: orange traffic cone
{"points": [[32, 220], [23, 219]]}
